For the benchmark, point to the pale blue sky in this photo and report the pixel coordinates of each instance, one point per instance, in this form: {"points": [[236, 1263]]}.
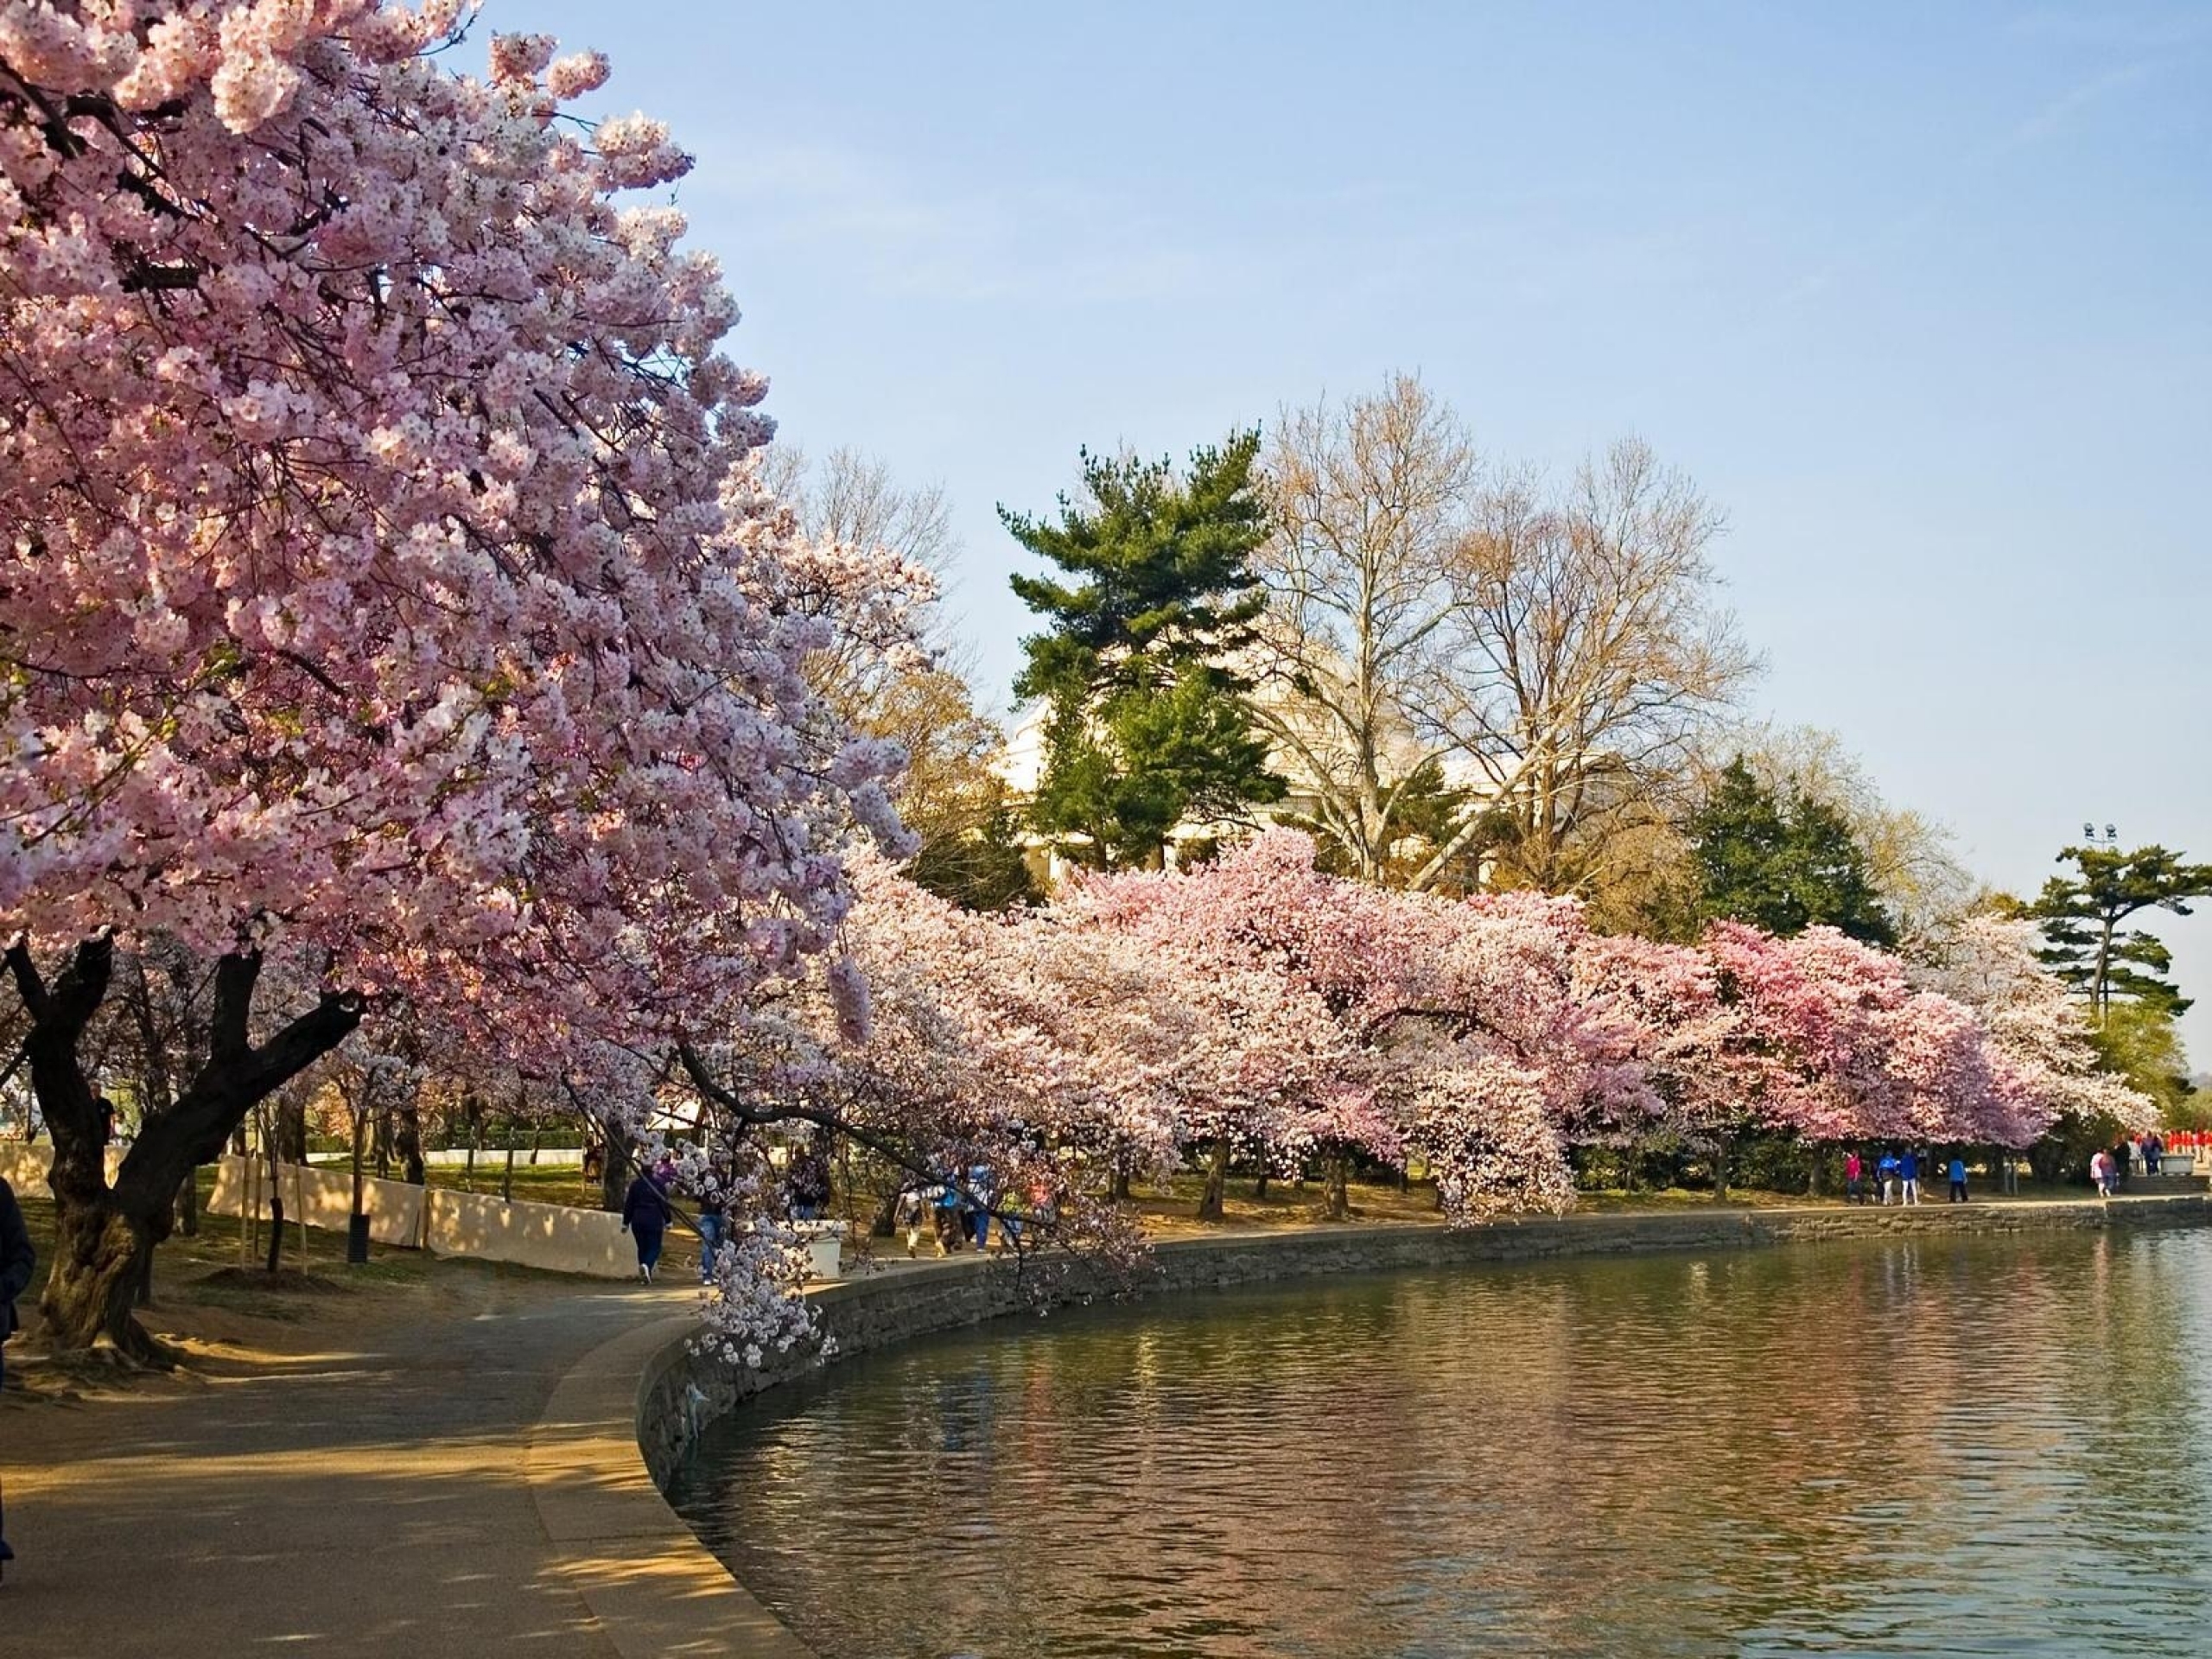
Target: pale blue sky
{"points": [[1918, 293]]}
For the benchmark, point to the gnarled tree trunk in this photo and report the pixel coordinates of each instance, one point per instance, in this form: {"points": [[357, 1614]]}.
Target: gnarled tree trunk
{"points": [[1335, 1190], [1217, 1188], [103, 1232]]}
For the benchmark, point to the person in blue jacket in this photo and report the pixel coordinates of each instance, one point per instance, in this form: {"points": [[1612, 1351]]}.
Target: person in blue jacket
{"points": [[1957, 1172], [1908, 1176], [16, 1260]]}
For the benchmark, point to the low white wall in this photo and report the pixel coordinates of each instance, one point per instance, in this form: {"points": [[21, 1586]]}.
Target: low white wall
{"points": [[23, 1165], [558, 1237], [322, 1198]]}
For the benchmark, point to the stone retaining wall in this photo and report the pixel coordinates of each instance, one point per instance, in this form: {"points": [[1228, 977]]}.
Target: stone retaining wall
{"points": [[681, 1393]]}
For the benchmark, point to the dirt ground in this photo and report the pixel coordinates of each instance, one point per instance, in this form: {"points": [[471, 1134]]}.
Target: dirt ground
{"points": [[225, 1316]]}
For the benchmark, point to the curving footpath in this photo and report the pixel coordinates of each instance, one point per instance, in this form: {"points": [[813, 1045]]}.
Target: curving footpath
{"points": [[373, 1503], [475, 1485]]}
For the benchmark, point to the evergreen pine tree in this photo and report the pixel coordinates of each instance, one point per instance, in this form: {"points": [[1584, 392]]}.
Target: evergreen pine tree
{"points": [[1783, 863], [2082, 917], [1147, 726]]}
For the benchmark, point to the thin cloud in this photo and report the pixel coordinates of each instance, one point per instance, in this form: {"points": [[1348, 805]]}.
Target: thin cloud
{"points": [[2039, 127]]}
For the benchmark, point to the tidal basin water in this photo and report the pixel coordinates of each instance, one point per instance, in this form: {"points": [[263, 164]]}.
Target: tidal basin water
{"points": [[1932, 1446]]}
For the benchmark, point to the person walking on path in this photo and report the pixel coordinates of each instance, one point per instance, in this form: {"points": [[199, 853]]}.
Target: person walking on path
{"points": [[2154, 1149], [16, 1260], [1852, 1171], [1957, 1172], [1886, 1171], [709, 1220], [646, 1214], [2100, 1172], [1908, 1176]]}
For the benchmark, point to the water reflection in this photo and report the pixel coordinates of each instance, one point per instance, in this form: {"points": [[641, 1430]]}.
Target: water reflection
{"points": [[1905, 1447]]}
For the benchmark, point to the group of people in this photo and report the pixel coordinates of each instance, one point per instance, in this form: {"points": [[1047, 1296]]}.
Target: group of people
{"points": [[959, 1218], [959, 1215], [2108, 1168], [1897, 1176], [649, 1207]]}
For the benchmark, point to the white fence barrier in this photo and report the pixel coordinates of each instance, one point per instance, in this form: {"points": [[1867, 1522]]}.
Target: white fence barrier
{"points": [[558, 1237], [320, 1197], [825, 1244], [23, 1165]]}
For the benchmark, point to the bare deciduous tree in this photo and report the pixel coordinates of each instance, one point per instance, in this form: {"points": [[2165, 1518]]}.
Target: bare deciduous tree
{"points": [[1542, 656], [1595, 656], [1372, 499], [856, 499], [895, 669]]}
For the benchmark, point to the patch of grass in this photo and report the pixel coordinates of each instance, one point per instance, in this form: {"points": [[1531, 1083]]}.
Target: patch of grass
{"points": [[535, 1183]]}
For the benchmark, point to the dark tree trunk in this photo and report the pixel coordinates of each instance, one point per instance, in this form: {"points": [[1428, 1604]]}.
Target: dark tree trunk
{"points": [[886, 1222], [1336, 1189], [470, 1113], [1260, 1184], [406, 1135], [1720, 1150], [276, 1209], [292, 1127], [1118, 1190], [1217, 1188], [187, 1209], [100, 1229], [614, 1169], [90, 1295]]}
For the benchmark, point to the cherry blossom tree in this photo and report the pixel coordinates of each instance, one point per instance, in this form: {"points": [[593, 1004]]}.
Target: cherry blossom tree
{"points": [[376, 586], [2039, 1033], [1463, 1022], [1839, 1045], [1036, 1053]]}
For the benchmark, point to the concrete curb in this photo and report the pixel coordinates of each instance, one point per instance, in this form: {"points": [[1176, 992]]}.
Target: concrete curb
{"points": [[649, 1584]]}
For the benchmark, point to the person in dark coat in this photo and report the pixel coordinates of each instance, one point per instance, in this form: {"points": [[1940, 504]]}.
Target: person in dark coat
{"points": [[645, 1213], [16, 1260]]}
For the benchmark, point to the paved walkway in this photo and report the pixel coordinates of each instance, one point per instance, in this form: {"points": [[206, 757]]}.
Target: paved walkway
{"points": [[370, 1503]]}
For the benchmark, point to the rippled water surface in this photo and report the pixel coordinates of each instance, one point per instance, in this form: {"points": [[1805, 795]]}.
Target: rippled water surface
{"points": [[1933, 1446]]}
